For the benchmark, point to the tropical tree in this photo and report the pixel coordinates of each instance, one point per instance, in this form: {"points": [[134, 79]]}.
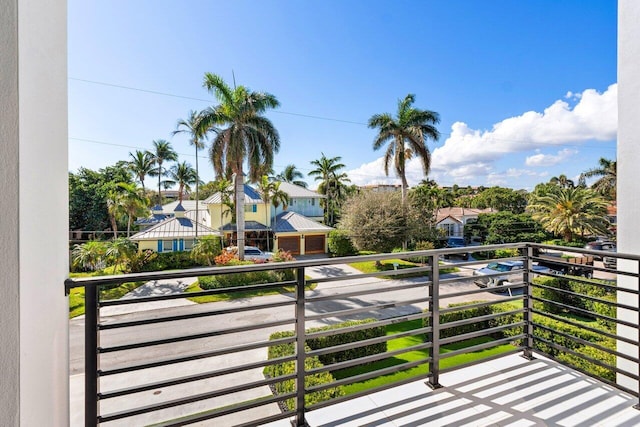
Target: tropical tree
{"points": [[185, 176], [241, 133], [562, 181], [405, 135], [327, 170], [88, 256], [266, 188], [570, 211], [291, 175], [279, 197], [191, 127], [141, 165], [162, 151], [606, 184], [206, 249], [133, 202], [114, 210], [119, 250]]}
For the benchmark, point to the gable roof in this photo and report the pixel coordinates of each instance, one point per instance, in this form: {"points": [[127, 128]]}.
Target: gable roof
{"points": [[248, 226], [174, 228], [186, 204], [288, 222], [296, 191], [251, 196], [458, 214]]}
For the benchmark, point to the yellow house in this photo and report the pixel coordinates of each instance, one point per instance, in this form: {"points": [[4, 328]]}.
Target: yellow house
{"points": [[271, 228]]}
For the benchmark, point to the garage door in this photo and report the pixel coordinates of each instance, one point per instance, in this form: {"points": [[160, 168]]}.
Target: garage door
{"points": [[314, 244], [291, 244]]}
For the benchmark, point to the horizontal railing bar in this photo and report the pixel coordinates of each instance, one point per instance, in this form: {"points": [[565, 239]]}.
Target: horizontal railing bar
{"points": [[588, 328], [587, 297], [477, 305], [585, 251], [190, 316], [587, 312], [266, 420], [483, 346], [480, 333], [366, 309], [364, 343], [587, 358], [190, 419], [369, 325], [367, 359], [476, 319], [362, 393], [587, 343], [345, 295], [183, 338], [185, 295], [192, 378], [369, 375], [192, 399], [219, 352]]}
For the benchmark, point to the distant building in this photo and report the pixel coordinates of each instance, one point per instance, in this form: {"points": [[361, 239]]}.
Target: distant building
{"points": [[451, 221], [381, 188]]}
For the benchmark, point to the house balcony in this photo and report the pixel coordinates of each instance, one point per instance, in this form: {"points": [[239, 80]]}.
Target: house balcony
{"points": [[430, 344]]}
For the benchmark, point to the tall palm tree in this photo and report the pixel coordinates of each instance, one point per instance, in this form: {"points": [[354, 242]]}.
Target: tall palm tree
{"points": [[247, 135], [191, 127], [569, 211], [162, 151], [562, 181], [327, 170], [185, 176], [406, 135], [607, 171], [141, 165], [113, 210], [291, 175], [279, 197]]}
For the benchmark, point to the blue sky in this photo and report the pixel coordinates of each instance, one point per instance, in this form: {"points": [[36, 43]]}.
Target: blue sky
{"points": [[526, 90]]}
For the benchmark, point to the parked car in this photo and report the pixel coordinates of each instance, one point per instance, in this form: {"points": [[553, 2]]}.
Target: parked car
{"points": [[251, 253], [510, 268], [600, 245], [456, 242]]}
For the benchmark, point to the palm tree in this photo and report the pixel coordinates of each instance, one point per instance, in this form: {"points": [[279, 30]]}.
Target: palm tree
{"points": [[162, 151], [141, 165], [607, 171], [266, 188], [248, 135], [291, 175], [119, 250], [562, 181], [185, 176], [192, 127], [206, 249], [88, 256], [325, 171], [133, 202], [571, 210], [279, 197], [406, 137], [113, 210]]}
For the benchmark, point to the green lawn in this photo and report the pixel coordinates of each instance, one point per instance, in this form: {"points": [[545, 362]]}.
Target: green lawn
{"points": [[388, 265], [412, 356], [76, 297]]}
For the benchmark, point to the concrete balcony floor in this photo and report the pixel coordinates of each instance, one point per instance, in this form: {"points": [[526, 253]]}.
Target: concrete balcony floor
{"points": [[508, 391]]}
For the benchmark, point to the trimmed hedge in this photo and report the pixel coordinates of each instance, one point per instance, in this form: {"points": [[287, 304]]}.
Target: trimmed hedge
{"points": [[169, 261], [287, 368], [220, 281]]}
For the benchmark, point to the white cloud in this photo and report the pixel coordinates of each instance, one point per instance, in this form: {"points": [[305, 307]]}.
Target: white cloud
{"points": [[469, 155], [550, 159], [594, 117]]}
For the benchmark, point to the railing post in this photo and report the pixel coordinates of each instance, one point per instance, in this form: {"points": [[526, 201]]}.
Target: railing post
{"points": [[91, 362], [528, 305], [300, 348], [434, 320]]}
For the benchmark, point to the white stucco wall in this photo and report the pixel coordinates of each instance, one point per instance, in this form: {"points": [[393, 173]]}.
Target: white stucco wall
{"points": [[34, 246], [628, 161]]}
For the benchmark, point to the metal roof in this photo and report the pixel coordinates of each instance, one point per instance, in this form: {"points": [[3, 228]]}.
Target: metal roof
{"points": [[174, 228], [288, 222], [251, 196], [248, 226], [295, 191]]}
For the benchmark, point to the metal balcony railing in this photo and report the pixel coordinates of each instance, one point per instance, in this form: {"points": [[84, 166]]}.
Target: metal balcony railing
{"points": [[208, 359]]}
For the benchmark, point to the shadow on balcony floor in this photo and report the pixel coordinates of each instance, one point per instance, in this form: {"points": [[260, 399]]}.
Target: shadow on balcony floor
{"points": [[505, 391]]}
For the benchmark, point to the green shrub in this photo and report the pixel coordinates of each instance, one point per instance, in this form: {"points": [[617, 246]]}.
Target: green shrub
{"points": [[170, 261], [463, 313], [340, 243], [288, 368], [507, 253], [347, 337], [587, 366]]}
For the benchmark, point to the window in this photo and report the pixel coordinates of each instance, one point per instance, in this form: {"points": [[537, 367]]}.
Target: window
{"points": [[188, 244], [250, 208], [167, 245], [313, 202]]}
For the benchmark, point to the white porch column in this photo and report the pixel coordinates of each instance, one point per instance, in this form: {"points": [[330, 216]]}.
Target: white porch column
{"points": [[628, 161], [33, 213]]}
